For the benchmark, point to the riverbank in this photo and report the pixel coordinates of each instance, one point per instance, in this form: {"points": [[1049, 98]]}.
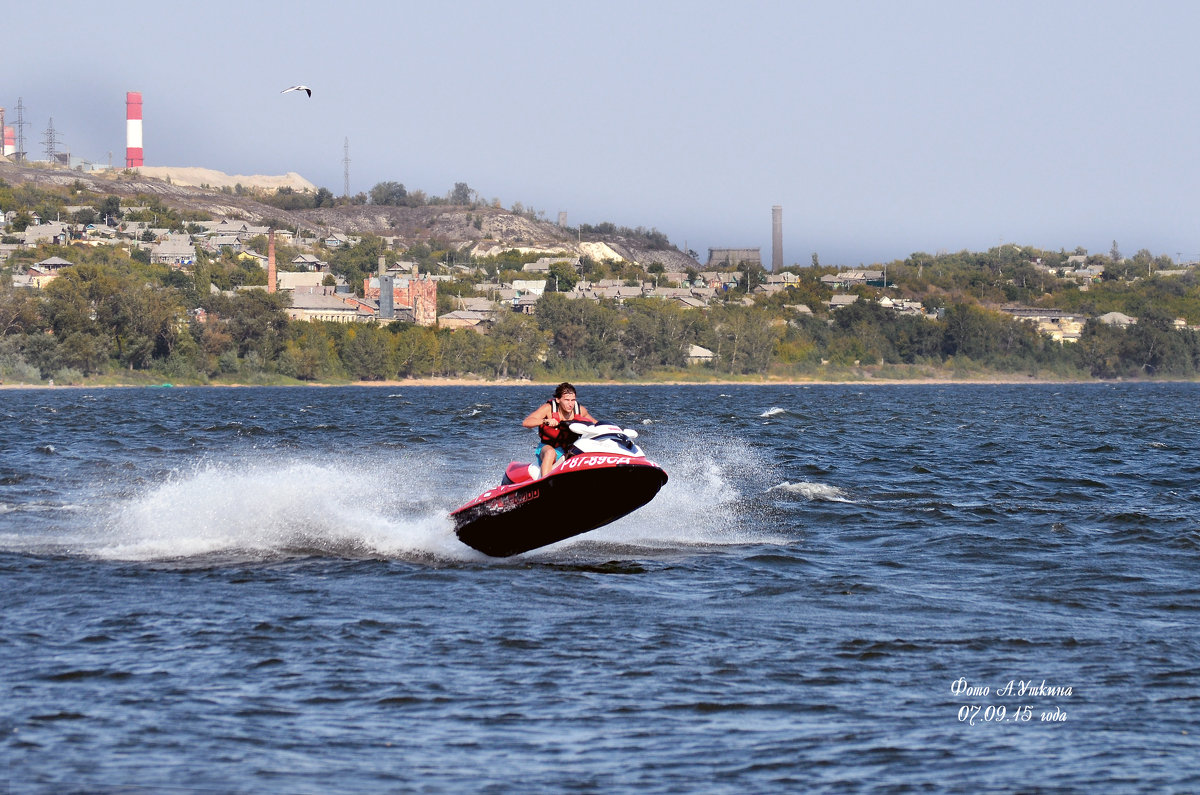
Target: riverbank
{"points": [[482, 382]]}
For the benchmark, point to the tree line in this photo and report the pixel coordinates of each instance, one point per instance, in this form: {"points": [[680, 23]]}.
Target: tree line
{"points": [[115, 317]]}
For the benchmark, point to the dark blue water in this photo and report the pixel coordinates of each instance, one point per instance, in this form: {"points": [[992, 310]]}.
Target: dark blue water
{"points": [[841, 589]]}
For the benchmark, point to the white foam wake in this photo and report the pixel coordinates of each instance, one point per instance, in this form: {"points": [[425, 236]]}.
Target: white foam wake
{"points": [[704, 503], [280, 508], [395, 505], [812, 491]]}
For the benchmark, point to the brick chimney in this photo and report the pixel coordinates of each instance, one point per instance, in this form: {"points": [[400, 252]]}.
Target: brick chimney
{"points": [[271, 261]]}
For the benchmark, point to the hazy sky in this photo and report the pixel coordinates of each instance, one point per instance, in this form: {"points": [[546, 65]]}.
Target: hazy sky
{"points": [[882, 128]]}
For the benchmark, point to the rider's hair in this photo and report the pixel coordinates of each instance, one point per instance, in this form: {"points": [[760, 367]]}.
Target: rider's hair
{"points": [[563, 389]]}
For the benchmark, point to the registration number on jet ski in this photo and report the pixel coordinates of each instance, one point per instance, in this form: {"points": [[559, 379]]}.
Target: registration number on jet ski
{"points": [[596, 461]]}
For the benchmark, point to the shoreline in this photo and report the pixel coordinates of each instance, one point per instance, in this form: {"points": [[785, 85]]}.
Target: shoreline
{"points": [[482, 382]]}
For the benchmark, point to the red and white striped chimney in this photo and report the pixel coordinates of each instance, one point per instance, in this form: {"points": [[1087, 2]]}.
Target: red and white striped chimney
{"points": [[10, 141], [133, 129]]}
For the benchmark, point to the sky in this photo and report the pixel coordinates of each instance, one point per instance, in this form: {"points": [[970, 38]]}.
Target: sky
{"points": [[881, 128]]}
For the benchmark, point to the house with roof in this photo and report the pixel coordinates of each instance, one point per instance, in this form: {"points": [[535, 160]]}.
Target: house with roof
{"points": [[53, 232], [99, 233], [250, 255], [307, 262], [217, 243], [1059, 325], [543, 264], [175, 250], [298, 280], [838, 301], [338, 240], [321, 303], [680, 295], [42, 273], [1087, 274], [526, 304], [527, 286], [465, 318], [699, 356]]}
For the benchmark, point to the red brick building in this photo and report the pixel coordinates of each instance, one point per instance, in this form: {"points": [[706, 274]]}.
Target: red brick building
{"points": [[420, 294]]}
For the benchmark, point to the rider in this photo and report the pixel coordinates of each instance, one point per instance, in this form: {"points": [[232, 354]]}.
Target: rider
{"points": [[547, 418]]}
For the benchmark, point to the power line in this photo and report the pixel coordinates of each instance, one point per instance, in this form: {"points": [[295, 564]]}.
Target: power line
{"points": [[20, 125], [50, 141]]}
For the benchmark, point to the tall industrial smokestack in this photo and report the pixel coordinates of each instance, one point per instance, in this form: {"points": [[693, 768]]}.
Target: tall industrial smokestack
{"points": [[387, 287], [8, 138], [133, 129], [776, 239], [271, 277]]}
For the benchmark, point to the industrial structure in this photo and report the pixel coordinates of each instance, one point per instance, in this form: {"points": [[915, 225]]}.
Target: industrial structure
{"points": [[413, 296], [133, 129], [8, 138], [272, 276], [733, 257], [776, 238]]}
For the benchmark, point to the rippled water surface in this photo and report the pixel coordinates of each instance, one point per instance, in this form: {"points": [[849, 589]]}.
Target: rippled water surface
{"points": [[888, 588]]}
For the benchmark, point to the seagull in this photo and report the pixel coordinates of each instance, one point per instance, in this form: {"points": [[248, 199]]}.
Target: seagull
{"points": [[305, 89]]}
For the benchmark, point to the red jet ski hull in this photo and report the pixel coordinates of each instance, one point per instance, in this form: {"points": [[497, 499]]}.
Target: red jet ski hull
{"points": [[580, 494]]}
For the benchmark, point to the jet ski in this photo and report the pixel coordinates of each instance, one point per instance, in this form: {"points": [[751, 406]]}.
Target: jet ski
{"points": [[603, 476]]}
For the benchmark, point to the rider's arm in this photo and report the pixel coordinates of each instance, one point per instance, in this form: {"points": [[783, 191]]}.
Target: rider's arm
{"points": [[537, 416], [582, 414]]}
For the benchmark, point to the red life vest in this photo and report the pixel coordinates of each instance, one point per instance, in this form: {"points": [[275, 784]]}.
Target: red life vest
{"points": [[550, 434]]}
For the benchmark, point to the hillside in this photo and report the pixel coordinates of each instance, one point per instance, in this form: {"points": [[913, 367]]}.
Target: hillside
{"points": [[499, 230]]}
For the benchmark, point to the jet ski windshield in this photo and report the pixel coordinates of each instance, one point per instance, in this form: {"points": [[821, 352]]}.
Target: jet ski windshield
{"points": [[617, 439]]}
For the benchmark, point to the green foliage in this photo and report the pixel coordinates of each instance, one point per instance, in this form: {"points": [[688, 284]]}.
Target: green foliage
{"points": [[461, 194], [113, 312], [355, 262], [389, 194], [649, 238]]}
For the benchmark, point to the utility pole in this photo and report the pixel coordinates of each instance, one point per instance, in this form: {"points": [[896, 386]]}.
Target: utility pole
{"points": [[346, 166]]}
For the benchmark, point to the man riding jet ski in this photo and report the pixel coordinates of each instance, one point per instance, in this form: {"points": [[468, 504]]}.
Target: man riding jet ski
{"points": [[596, 477], [551, 420]]}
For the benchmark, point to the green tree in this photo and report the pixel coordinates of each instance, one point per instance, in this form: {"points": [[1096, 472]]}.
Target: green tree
{"points": [[367, 353], [110, 209], [310, 353], [563, 277], [514, 346], [462, 351], [389, 193], [742, 339], [970, 331], [255, 321], [418, 351]]}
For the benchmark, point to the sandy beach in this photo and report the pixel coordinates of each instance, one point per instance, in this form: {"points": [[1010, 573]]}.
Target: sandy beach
{"points": [[482, 382]]}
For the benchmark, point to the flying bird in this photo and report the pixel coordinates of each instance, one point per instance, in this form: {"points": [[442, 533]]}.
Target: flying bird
{"points": [[305, 89]]}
